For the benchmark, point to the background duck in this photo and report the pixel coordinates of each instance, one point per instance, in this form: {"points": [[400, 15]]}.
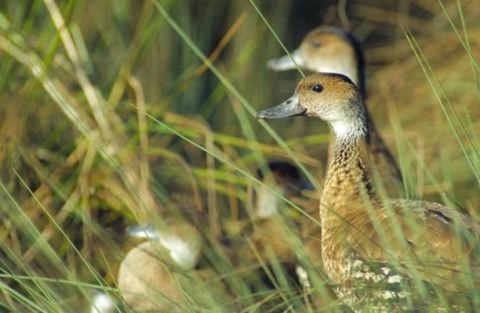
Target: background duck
{"points": [[270, 260], [382, 256], [160, 275], [270, 212], [280, 230], [332, 50]]}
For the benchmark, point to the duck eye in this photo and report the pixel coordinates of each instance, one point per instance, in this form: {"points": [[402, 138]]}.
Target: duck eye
{"points": [[316, 44], [317, 88]]}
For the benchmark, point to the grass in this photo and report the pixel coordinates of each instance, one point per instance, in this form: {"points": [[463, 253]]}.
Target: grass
{"points": [[116, 113]]}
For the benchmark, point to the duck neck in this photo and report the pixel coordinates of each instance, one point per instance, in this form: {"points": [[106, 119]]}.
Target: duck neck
{"points": [[348, 181]]}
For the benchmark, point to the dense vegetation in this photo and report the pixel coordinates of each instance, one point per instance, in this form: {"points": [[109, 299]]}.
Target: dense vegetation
{"points": [[119, 112]]}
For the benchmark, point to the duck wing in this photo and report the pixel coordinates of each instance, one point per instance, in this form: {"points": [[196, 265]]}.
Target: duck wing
{"points": [[427, 240]]}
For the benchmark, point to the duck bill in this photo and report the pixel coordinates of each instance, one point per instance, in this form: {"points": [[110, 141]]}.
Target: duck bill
{"points": [[291, 107], [287, 62], [146, 231]]}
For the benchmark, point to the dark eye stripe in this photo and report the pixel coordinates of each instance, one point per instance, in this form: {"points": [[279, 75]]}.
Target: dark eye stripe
{"points": [[317, 88]]}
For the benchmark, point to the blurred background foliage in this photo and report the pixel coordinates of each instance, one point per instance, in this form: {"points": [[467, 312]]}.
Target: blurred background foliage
{"points": [[79, 159]]}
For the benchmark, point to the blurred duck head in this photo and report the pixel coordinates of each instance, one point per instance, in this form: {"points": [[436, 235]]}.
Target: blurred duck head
{"points": [[326, 49]]}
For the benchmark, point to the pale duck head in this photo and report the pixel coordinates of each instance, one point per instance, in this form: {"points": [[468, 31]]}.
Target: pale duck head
{"points": [[326, 49], [182, 241]]}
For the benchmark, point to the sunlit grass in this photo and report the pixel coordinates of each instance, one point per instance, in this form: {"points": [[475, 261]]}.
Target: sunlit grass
{"points": [[118, 113]]}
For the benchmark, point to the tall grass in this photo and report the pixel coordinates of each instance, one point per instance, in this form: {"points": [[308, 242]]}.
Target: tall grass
{"points": [[114, 113]]}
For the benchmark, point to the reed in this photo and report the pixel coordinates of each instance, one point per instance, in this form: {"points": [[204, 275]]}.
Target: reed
{"points": [[115, 113]]}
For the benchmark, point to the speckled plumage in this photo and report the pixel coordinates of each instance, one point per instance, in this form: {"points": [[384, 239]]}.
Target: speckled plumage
{"points": [[381, 256]]}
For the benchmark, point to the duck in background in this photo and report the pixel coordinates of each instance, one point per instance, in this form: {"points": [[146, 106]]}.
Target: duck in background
{"points": [[161, 274], [381, 255], [278, 230], [328, 49], [270, 211]]}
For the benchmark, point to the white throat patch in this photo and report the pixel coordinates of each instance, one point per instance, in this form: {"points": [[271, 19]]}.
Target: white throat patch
{"points": [[342, 129], [346, 129]]}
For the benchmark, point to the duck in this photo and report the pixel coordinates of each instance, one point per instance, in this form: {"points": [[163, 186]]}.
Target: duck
{"points": [[289, 182], [270, 212], [381, 255], [162, 274], [332, 50]]}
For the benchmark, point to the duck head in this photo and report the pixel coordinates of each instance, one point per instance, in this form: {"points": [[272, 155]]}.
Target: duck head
{"points": [[333, 98], [183, 242], [325, 49]]}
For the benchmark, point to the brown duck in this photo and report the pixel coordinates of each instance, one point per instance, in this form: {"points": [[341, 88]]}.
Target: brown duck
{"points": [[382, 256], [161, 274]]}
